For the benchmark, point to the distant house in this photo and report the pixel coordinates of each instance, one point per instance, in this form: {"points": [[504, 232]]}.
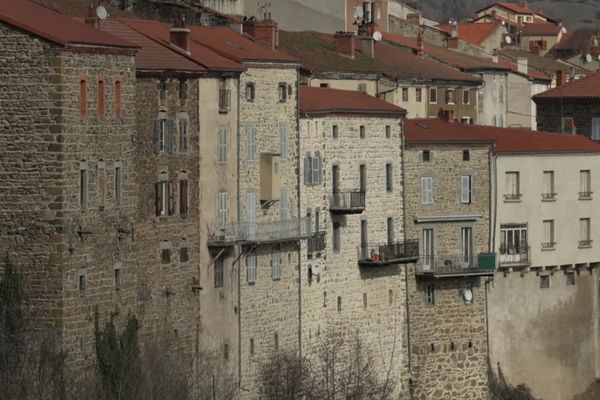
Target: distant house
{"points": [[488, 35]]}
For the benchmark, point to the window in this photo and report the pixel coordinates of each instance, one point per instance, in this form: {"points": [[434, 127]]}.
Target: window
{"points": [[334, 131], [466, 96], [362, 176], [570, 278], [118, 185], [162, 92], [283, 142], [585, 191], [101, 179], [161, 135], [282, 92], [390, 230], [313, 167], [324, 85], [224, 97], [83, 186], [362, 87], [283, 204], [427, 190], [548, 182], [219, 269], [250, 91], [466, 189], [101, 98], [568, 125], [389, 177], [585, 239], [388, 131], [501, 92], [404, 94], [251, 143], [165, 256], [184, 254], [363, 131], [427, 250], [336, 236], [390, 297], [183, 135], [429, 294], [433, 95], [466, 155], [339, 303], [595, 128], [513, 243], [162, 197], [183, 196], [450, 96], [512, 186], [544, 281], [251, 213], [83, 95], [364, 300], [426, 155], [117, 276], [548, 242], [418, 95], [276, 341], [118, 111], [252, 346], [222, 144], [226, 352], [251, 267], [223, 209], [82, 281], [183, 88], [276, 264]]}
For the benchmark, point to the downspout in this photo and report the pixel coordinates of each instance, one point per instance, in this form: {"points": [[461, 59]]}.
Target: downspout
{"points": [[299, 214], [239, 288]]}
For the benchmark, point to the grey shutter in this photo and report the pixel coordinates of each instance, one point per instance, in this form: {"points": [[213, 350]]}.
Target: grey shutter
{"points": [[307, 170], [171, 199], [320, 170], [158, 198], [170, 136], [156, 136]]}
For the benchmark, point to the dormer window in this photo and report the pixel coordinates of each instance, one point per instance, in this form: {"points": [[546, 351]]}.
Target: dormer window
{"points": [[250, 91]]}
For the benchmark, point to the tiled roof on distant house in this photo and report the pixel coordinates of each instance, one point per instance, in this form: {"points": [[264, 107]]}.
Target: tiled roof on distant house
{"points": [[541, 29], [514, 7], [471, 32], [545, 65], [55, 27], [507, 140], [319, 101], [584, 88]]}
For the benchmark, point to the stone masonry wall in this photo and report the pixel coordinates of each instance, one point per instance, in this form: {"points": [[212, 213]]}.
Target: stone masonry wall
{"points": [[372, 299], [550, 113]]}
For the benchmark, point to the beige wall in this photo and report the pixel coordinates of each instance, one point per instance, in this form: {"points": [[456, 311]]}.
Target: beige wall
{"points": [[460, 109], [492, 101], [521, 111]]}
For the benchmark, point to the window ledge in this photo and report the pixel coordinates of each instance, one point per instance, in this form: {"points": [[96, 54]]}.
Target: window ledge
{"points": [[548, 200], [549, 247], [512, 200], [585, 198], [584, 246]]}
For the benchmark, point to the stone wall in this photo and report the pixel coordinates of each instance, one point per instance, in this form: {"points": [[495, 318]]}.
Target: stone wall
{"points": [[550, 114]]}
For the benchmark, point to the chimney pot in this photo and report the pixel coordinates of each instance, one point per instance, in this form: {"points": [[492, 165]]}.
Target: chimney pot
{"points": [[561, 77], [343, 43]]}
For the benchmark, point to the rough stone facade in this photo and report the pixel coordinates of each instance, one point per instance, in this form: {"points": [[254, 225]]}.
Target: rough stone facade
{"points": [[550, 114], [447, 334], [68, 247], [338, 294]]}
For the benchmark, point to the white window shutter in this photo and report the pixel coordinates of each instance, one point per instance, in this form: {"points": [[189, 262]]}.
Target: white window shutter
{"points": [[283, 142], [430, 189], [423, 191], [315, 169], [464, 189], [307, 170]]}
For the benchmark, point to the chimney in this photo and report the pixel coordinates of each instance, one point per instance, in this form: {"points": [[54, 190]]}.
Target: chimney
{"points": [[495, 57], [525, 5], [522, 65], [264, 32], [446, 115], [454, 29], [561, 77], [452, 43], [420, 47], [343, 43], [534, 47], [368, 46], [92, 18], [180, 36]]}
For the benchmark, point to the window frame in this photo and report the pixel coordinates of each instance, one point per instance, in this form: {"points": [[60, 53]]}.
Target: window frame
{"points": [[427, 190], [433, 95], [251, 268], [466, 189], [183, 196], [450, 96], [548, 234], [282, 92], [250, 91], [251, 143], [389, 177], [183, 127], [219, 272], [276, 264], [222, 208], [466, 97]]}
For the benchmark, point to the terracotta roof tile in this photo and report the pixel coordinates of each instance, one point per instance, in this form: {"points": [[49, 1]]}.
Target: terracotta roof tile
{"points": [[55, 27], [516, 8], [473, 32], [584, 88], [541, 29], [507, 140], [314, 100]]}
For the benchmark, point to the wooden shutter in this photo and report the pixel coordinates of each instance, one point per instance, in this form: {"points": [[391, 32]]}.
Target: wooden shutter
{"points": [[430, 190], [183, 197], [423, 190], [320, 170], [158, 198], [316, 162], [464, 189], [171, 199], [283, 142], [157, 136]]}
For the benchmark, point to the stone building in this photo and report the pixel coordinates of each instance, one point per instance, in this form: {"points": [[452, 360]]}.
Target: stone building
{"points": [[352, 267], [447, 203], [69, 193], [573, 107]]}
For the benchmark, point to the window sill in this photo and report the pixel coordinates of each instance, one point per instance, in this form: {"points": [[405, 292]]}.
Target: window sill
{"points": [[512, 200], [549, 247], [584, 246], [548, 200], [584, 198]]}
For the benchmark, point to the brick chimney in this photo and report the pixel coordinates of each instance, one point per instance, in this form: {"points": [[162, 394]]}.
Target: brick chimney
{"points": [[180, 36], [561, 77], [446, 115], [92, 18], [344, 43], [264, 32], [368, 46], [420, 47]]}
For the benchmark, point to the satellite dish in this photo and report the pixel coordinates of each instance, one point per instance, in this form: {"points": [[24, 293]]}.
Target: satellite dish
{"points": [[358, 12], [101, 12], [468, 295], [377, 36], [507, 39], [588, 58]]}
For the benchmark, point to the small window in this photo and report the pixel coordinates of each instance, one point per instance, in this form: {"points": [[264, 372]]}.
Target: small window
{"points": [[222, 144], [223, 206], [466, 96], [466, 155], [183, 135], [250, 92], [390, 297], [283, 142], [276, 341], [251, 143], [548, 242], [117, 276], [466, 189], [450, 96], [418, 95], [404, 94], [101, 98], [324, 299], [162, 198], [585, 239], [219, 269], [226, 351], [118, 185], [118, 112], [162, 92], [427, 190], [388, 131], [165, 256], [83, 97], [183, 89], [224, 97], [513, 191], [276, 264], [433, 95], [426, 155], [336, 236], [362, 87], [334, 131], [252, 346], [339, 303], [101, 179], [429, 294], [183, 196], [82, 281], [184, 254], [83, 187], [251, 267], [548, 192], [544, 281], [570, 278], [585, 184], [324, 85], [364, 300], [363, 131], [389, 177], [282, 92], [161, 133]]}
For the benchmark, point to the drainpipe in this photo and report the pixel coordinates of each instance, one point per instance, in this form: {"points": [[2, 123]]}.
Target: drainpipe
{"points": [[239, 283], [299, 213]]}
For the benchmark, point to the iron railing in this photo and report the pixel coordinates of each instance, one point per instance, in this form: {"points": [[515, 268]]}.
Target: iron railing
{"points": [[350, 201], [514, 255], [262, 232], [548, 196], [483, 263], [316, 242], [390, 253]]}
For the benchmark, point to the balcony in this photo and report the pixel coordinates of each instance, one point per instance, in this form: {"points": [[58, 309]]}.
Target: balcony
{"points": [[378, 255], [455, 265], [514, 257], [224, 101], [348, 202], [316, 242], [261, 232]]}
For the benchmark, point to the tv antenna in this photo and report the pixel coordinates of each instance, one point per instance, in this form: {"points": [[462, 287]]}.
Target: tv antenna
{"points": [[358, 14]]}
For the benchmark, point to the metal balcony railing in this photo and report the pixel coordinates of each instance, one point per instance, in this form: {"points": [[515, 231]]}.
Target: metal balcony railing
{"points": [[514, 255], [452, 265], [370, 254], [348, 202], [262, 232], [316, 242]]}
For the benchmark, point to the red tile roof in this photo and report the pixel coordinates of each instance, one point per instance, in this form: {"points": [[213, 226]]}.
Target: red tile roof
{"points": [[474, 32], [159, 33], [316, 100], [541, 29], [584, 88], [507, 140], [516, 8], [52, 26]]}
